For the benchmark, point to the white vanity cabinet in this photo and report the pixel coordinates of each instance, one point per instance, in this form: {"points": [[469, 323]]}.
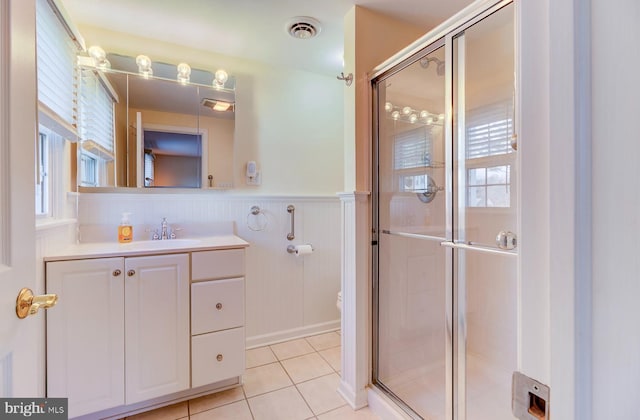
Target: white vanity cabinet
{"points": [[138, 328], [120, 332]]}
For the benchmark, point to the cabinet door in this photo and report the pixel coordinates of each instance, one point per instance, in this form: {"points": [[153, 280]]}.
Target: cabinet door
{"points": [[85, 334], [157, 326]]}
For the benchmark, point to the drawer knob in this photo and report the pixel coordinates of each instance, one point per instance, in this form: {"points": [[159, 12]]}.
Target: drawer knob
{"points": [[131, 273], [219, 358], [116, 273], [218, 306]]}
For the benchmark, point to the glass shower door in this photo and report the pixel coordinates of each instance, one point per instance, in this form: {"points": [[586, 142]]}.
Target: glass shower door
{"points": [[485, 215], [412, 355], [445, 217]]}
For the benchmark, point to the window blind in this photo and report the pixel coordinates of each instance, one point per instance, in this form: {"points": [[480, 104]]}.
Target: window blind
{"points": [[413, 149], [489, 130], [96, 116], [56, 70]]}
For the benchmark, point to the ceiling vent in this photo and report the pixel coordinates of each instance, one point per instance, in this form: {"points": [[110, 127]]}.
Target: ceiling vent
{"points": [[303, 27]]}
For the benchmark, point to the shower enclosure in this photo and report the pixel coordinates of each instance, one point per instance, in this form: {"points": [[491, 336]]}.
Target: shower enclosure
{"points": [[445, 215]]}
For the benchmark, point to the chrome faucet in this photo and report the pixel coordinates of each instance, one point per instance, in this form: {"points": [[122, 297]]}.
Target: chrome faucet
{"points": [[165, 229]]}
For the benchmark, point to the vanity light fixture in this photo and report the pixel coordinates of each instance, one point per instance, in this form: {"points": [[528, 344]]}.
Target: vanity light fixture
{"points": [[413, 116], [99, 57], [144, 66], [220, 79], [184, 73]]}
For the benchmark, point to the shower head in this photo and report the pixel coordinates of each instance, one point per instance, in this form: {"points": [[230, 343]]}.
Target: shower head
{"points": [[424, 62]]}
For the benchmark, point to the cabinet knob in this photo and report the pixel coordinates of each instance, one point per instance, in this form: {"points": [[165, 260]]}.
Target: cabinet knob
{"points": [[116, 273], [219, 358], [218, 306], [131, 273]]}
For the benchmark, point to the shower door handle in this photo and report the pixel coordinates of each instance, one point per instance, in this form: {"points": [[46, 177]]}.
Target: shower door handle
{"points": [[506, 240]]}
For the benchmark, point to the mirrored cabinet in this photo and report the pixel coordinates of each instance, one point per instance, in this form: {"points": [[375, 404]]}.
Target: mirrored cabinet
{"points": [[155, 129]]}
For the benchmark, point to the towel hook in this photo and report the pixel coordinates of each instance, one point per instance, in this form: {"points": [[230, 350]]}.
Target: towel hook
{"points": [[348, 79]]}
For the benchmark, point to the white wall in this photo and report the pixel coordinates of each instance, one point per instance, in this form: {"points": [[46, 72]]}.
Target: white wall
{"points": [[286, 296], [616, 202]]}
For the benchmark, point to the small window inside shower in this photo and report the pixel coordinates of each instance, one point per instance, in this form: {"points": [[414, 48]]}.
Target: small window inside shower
{"points": [[489, 154]]}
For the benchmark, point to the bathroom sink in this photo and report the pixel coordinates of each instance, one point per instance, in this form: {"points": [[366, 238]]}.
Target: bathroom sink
{"points": [[162, 244]]}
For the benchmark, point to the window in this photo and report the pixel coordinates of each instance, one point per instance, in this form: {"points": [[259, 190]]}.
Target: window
{"points": [[149, 169], [97, 102], [89, 170], [413, 151], [57, 120], [489, 154], [42, 178]]}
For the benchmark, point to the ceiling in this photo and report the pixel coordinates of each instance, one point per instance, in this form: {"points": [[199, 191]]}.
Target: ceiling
{"points": [[253, 29]]}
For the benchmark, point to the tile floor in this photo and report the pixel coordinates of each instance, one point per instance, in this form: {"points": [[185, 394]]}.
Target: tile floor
{"points": [[294, 380]]}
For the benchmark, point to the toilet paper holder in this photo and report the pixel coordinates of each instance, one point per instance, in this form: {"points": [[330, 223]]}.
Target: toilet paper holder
{"points": [[293, 249]]}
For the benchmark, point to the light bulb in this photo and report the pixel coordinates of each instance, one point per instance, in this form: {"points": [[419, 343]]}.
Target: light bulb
{"points": [[429, 120], [144, 66], [406, 110], [395, 115], [388, 106], [99, 57], [184, 72], [441, 117], [221, 78], [413, 118], [424, 114]]}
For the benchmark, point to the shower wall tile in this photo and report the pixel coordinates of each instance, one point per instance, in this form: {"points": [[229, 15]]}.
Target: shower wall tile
{"points": [[286, 295]]}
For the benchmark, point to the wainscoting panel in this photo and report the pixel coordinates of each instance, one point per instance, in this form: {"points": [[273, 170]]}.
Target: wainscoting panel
{"points": [[286, 295]]}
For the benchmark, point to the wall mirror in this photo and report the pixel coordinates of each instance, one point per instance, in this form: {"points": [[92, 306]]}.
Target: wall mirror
{"points": [[150, 130]]}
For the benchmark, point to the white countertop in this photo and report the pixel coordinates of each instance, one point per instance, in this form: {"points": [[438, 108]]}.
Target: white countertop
{"points": [[167, 246]]}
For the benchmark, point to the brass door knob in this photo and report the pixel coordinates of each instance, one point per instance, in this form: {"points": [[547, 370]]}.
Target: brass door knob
{"points": [[131, 273], [219, 358], [28, 304], [219, 306], [116, 273]]}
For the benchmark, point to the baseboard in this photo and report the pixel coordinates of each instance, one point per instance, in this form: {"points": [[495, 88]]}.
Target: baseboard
{"points": [[280, 336], [356, 400]]}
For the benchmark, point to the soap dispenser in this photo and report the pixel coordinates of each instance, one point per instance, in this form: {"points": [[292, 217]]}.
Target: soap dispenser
{"points": [[125, 230]]}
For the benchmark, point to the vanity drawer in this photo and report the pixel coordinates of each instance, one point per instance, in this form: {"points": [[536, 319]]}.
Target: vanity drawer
{"points": [[217, 356], [217, 305], [208, 265]]}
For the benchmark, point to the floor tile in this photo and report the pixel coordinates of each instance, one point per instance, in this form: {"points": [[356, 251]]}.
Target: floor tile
{"points": [[347, 413], [306, 367], [292, 348], [215, 400], [285, 404], [260, 356], [265, 378], [324, 341], [236, 411], [321, 393], [171, 412], [333, 357]]}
